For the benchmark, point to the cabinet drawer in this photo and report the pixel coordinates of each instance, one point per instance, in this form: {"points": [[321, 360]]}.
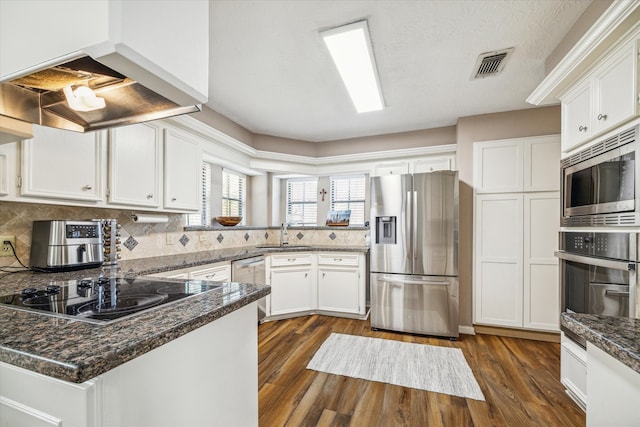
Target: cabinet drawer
{"points": [[219, 273], [291, 259], [338, 259]]}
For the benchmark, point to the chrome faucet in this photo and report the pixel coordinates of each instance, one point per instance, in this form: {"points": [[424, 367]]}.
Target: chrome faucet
{"points": [[284, 235]]}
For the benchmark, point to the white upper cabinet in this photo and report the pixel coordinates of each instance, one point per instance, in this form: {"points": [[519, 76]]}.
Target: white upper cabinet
{"points": [[576, 116], [605, 98], [135, 165], [616, 88], [526, 164], [182, 170], [62, 165], [162, 44]]}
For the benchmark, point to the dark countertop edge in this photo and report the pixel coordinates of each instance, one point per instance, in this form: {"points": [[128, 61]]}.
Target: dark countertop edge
{"points": [[249, 227], [598, 331], [81, 373]]}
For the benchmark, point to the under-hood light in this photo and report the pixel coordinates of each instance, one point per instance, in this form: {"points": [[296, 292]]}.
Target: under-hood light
{"points": [[350, 48], [83, 99]]}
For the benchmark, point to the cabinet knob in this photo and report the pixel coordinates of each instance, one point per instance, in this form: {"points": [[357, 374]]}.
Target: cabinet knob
{"points": [[173, 199], [87, 187], [150, 196], [337, 259], [582, 129], [602, 117]]}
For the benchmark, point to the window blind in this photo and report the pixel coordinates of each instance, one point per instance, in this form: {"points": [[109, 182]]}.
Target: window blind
{"points": [[234, 189], [348, 193], [204, 216], [302, 201]]}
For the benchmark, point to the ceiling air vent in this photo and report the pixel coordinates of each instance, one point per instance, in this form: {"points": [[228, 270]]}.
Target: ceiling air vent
{"points": [[491, 63]]}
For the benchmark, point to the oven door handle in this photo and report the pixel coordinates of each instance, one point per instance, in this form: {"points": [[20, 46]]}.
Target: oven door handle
{"points": [[599, 262]]}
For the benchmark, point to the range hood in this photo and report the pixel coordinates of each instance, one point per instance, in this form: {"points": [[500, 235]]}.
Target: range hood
{"points": [[45, 97]]}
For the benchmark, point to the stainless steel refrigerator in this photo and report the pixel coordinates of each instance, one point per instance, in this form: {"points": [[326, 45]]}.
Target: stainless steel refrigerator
{"points": [[414, 253]]}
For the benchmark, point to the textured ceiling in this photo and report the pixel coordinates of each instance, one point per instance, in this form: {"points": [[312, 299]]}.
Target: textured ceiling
{"points": [[270, 71]]}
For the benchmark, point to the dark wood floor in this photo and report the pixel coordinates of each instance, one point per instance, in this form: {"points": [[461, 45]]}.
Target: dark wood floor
{"points": [[519, 379]]}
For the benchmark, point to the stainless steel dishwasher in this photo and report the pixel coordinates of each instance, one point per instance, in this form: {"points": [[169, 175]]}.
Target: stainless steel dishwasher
{"points": [[251, 270]]}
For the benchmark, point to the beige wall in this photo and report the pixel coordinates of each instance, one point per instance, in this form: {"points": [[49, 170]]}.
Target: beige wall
{"points": [[586, 20], [512, 124]]}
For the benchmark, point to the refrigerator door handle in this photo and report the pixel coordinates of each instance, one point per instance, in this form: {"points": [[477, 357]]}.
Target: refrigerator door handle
{"points": [[414, 230], [393, 281]]}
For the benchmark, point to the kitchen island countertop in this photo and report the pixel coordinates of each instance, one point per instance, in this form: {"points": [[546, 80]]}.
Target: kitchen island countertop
{"points": [[77, 351], [617, 336]]}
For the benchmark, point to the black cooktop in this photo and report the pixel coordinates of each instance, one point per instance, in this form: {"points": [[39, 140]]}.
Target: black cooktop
{"points": [[104, 299]]}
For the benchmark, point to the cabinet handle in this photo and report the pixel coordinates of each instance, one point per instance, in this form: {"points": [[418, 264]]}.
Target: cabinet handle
{"points": [[291, 259], [305, 275], [210, 276], [87, 187], [173, 199], [323, 274], [602, 117], [338, 259], [582, 129], [150, 196]]}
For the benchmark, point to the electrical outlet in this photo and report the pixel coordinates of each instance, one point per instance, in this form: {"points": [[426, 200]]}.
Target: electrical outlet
{"points": [[5, 249], [203, 237], [170, 239]]}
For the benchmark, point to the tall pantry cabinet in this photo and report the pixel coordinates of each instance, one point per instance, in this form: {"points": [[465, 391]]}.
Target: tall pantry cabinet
{"points": [[516, 224]]}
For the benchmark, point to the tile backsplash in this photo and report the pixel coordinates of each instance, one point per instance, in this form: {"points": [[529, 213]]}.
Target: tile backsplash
{"points": [[150, 240]]}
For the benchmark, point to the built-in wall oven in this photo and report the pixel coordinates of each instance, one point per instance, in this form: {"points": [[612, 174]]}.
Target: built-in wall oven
{"points": [[598, 273], [599, 184]]}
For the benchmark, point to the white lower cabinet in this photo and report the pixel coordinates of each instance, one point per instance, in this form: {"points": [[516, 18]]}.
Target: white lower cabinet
{"points": [[326, 282], [339, 283], [573, 370], [219, 272], [292, 283]]}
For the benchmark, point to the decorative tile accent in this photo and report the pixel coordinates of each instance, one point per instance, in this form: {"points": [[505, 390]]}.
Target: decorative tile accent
{"points": [[220, 238], [184, 240], [130, 243], [332, 236], [246, 236], [266, 235], [300, 236]]}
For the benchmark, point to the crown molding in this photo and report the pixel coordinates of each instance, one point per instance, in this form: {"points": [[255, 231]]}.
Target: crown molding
{"points": [[598, 38]]}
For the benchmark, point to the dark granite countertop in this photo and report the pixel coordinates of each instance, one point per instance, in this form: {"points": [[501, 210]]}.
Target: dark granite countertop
{"points": [[617, 336], [77, 351]]}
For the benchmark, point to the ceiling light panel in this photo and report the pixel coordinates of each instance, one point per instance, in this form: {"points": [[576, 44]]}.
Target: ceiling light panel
{"points": [[351, 51]]}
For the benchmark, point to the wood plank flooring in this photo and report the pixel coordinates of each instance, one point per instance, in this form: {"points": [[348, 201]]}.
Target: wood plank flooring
{"points": [[519, 378]]}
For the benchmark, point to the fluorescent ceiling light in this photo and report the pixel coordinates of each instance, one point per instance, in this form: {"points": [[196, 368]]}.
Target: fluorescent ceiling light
{"points": [[350, 48]]}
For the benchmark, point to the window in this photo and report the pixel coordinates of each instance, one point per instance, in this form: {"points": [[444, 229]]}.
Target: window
{"points": [[204, 216], [302, 201], [347, 193], [223, 193], [234, 189]]}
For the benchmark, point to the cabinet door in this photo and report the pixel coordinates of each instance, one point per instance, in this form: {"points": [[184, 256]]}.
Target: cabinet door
{"points": [[8, 168], [576, 116], [498, 260], [615, 85], [62, 165], [542, 164], [498, 166], [541, 287], [218, 272], [391, 169], [431, 165], [338, 289], [134, 166], [292, 290], [182, 168]]}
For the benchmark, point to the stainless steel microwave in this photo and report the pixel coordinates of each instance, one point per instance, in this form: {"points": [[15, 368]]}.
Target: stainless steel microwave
{"points": [[600, 183]]}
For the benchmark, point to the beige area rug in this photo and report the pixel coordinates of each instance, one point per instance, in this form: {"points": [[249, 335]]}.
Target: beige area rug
{"points": [[424, 367]]}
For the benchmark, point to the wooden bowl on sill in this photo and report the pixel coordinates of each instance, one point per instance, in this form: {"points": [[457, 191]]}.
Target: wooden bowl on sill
{"points": [[228, 221]]}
